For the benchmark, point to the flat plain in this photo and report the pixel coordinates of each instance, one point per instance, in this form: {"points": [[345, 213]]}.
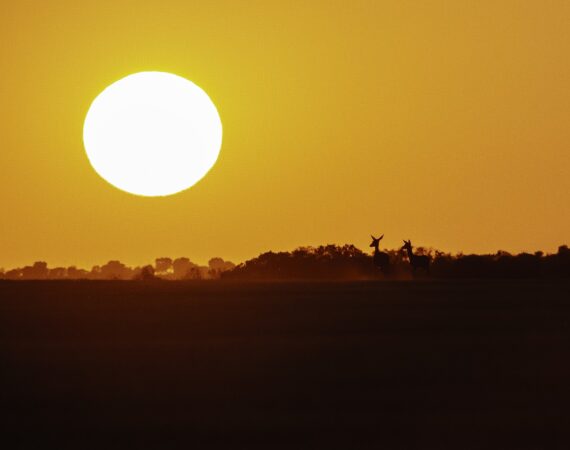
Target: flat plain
{"points": [[160, 365]]}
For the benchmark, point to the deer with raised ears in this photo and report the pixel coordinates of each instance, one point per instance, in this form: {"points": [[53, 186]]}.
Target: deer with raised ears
{"points": [[381, 259], [416, 261]]}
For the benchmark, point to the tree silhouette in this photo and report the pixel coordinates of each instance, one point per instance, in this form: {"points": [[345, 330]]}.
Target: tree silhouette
{"points": [[146, 273]]}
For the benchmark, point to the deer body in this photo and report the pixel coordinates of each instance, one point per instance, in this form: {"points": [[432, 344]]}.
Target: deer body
{"points": [[380, 259], [416, 261]]}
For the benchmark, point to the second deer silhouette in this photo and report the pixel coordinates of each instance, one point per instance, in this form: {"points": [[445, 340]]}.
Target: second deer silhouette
{"points": [[416, 261], [381, 259]]}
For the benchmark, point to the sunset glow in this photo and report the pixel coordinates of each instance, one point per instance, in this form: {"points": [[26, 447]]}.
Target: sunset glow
{"points": [[291, 224], [443, 122]]}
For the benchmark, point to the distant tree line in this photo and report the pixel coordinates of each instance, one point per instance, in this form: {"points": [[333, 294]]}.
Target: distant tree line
{"points": [[327, 262], [164, 268]]}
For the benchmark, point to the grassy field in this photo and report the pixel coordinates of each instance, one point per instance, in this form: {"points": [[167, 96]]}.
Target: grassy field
{"points": [[161, 365]]}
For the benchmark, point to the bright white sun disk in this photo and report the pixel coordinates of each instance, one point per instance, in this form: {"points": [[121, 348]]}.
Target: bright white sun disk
{"points": [[152, 134]]}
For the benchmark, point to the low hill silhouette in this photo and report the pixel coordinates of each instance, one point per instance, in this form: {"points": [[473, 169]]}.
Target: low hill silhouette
{"points": [[347, 262]]}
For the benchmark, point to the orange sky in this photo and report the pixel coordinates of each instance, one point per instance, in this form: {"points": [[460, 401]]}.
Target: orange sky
{"points": [[446, 122]]}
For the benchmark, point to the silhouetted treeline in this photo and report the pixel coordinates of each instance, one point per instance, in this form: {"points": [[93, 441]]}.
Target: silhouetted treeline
{"points": [[348, 262], [325, 262], [164, 268], [330, 262]]}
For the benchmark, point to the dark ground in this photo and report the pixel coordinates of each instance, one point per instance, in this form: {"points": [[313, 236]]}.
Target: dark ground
{"points": [[162, 365]]}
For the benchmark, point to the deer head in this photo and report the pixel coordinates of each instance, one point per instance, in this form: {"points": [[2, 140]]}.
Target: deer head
{"points": [[407, 245], [375, 241]]}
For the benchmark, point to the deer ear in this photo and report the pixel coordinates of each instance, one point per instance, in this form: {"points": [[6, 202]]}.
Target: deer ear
{"points": [[380, 238], [373, 237]]}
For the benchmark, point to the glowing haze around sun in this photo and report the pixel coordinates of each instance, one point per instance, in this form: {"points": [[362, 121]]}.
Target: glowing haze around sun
{"points": [[152, 134]]}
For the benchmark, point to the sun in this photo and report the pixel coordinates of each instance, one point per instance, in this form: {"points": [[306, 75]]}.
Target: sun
{"points": [[152, 134]]}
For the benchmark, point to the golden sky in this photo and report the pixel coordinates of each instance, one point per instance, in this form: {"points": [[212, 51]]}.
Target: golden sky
{"points": [[445, 122]]}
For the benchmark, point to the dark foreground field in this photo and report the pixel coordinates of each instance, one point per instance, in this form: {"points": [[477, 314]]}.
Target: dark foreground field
{"points": [[161, 365]]}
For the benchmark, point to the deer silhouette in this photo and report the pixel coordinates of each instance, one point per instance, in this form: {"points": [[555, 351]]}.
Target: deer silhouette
{"points": [[416, 261], [381, 259]]}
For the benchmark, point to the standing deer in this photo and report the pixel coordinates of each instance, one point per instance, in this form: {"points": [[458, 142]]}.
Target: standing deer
{"points": [[381, 259], [416, 261]]}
